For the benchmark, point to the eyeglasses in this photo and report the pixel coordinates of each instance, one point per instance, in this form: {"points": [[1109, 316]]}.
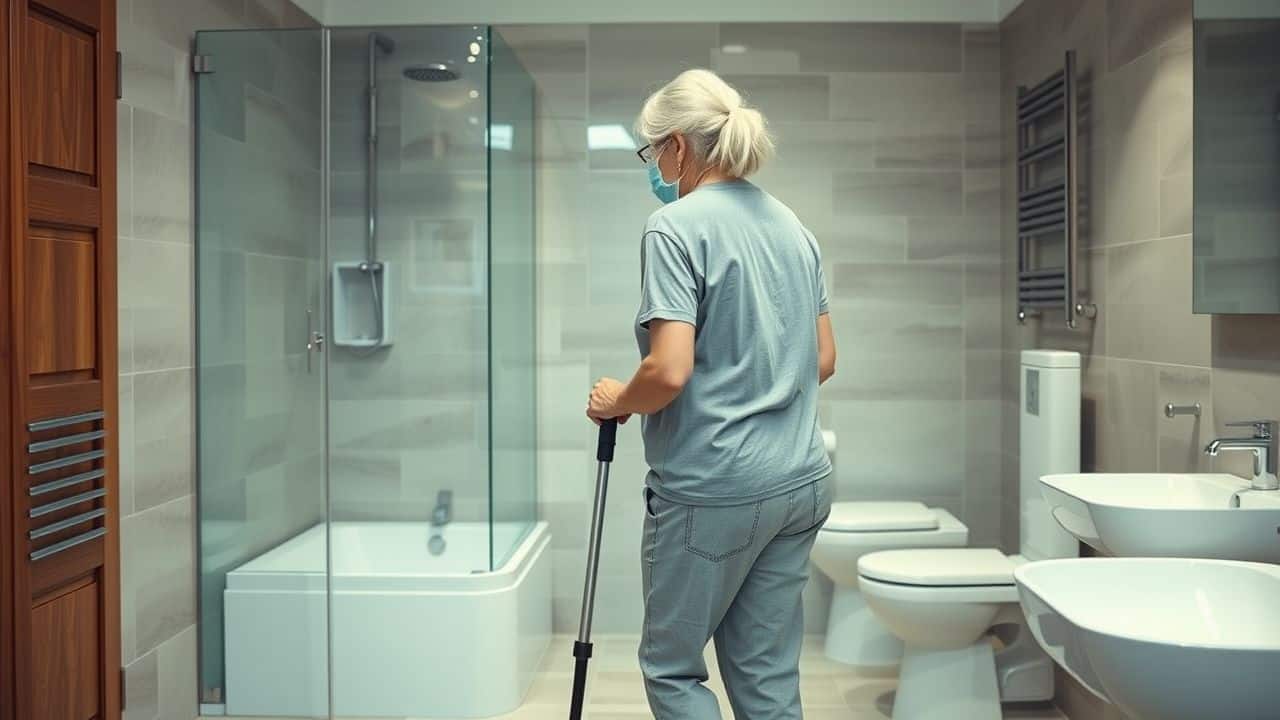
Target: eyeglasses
{"points": [[646, 154]]}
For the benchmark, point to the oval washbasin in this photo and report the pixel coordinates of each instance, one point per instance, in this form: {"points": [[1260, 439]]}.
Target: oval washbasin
{"points": [[1162, 638], [1167, 515]]}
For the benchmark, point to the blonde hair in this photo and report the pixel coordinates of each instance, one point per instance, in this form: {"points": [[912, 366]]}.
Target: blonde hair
{"points": [[722, 131]]}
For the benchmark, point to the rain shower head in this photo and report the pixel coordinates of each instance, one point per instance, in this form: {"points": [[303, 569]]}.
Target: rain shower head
{"points": [[430, 72]]}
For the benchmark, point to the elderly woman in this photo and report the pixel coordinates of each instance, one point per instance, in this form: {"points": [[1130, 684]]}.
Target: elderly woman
{"points": [[735, 339]]}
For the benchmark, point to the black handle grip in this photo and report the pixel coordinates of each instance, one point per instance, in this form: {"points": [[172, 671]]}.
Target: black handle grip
{"points": [[581, 653], [608, 438]]}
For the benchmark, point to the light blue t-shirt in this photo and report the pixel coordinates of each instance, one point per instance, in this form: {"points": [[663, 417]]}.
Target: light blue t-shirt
{"points": [[740, 267]]}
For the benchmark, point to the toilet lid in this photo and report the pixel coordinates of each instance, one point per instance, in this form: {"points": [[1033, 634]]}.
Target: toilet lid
{"points": [[942, 567], [880, 516]]}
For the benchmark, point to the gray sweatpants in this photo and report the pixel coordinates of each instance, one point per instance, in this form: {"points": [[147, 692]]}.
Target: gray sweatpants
{"points": [[733, 573]]}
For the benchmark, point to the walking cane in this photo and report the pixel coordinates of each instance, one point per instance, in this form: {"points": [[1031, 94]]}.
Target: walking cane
{"points": [[582, 648]]}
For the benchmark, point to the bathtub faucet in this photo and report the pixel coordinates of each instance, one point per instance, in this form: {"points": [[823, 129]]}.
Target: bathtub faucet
{"points": [[439, 518], [444, 508]]}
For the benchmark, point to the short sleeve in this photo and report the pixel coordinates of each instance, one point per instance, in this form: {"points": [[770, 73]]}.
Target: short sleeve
{"points": [[820, 276], [822, 290], [668, 283]]}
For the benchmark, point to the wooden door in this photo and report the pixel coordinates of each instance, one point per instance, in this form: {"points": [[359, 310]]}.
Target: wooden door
{"points": [[60, 630]]}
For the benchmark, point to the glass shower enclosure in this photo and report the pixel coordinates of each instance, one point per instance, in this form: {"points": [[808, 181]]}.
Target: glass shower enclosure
{"points": [[365, 380]]}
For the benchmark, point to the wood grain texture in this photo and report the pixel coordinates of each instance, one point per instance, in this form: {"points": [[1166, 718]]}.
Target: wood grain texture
{"points": [[51, 200], [60, 635], [65, 681], [61, 301], [18, 598], [90, 15], [52, 575], [58, 91], [109, 651], [8, 516]]}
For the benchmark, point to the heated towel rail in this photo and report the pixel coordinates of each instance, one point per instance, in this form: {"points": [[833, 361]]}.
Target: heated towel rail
{"points": [[1048, 197]]}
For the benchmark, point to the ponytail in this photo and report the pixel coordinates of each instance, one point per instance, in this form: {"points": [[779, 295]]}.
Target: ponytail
{"points": [[722, 131]]}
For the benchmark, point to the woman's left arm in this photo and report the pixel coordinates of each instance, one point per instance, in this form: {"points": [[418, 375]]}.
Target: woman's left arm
{"points": [[659, 380]]}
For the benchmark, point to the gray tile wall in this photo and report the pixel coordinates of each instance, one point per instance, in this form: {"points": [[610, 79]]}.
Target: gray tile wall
{"points": [[1146, 348], [889, 152], [157, 421]]}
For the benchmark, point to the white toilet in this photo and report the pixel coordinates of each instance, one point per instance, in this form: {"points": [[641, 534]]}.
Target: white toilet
{"points": [[941, 603], [854, 635]]}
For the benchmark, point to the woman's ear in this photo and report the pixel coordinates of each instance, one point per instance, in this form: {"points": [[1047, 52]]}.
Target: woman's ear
{"points": [[682, 148]]}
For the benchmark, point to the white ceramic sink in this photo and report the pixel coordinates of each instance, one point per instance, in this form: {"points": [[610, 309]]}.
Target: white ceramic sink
{"points": [[1167, 515], [1162, 638]]}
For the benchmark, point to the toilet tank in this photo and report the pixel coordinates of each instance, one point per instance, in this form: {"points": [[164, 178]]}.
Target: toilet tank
{"points": [[1049, 444]]}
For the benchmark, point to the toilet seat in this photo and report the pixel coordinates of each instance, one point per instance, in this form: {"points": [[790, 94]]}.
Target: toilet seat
{"points": [[941, 567], [939, 594], [880, 517], [945, 575]]}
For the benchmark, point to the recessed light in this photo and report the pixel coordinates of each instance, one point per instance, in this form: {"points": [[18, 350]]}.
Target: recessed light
{"points": [[733, 49], [475, 48], [474, 94], [471, 58]]}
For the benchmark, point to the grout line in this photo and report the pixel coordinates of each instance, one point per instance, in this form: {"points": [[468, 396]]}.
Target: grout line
{"points": [[1154, 362]]}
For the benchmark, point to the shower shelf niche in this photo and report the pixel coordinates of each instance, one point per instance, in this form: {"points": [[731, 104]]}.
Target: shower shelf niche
{"points": [[355, 310]]}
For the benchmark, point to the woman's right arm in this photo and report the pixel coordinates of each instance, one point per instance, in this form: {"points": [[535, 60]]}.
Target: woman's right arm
{"points": [[826, 349]]}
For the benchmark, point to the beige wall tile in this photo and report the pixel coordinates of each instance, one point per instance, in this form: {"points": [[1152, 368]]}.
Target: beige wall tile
{"points": [[899, 284], [1129, 110], [898, 192], [142, 689], [1148, 304], [822, 145], [897, 97], [1246, 342], [1129, 407], [786, 97], [1136, 27], [869, 47], [970, 237], [162, 186], [981, 49], [865, 239], [158, 553]]}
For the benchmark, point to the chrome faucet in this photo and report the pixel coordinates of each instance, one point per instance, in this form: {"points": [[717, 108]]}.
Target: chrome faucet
{"points": [[440, 517], [444, 508], [1263, 445]]}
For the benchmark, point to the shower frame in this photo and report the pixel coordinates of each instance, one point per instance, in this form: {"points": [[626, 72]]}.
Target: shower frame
{"points": [[312, 344]]}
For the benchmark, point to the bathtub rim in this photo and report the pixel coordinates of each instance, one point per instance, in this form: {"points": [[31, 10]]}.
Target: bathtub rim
{"points": [[535, 541]]}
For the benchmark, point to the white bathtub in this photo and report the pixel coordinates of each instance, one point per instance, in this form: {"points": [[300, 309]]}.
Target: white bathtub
{"points": [[413, 634]]}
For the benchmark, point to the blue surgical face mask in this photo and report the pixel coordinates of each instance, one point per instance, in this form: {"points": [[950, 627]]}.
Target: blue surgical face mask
{"points": [[667, 192]]}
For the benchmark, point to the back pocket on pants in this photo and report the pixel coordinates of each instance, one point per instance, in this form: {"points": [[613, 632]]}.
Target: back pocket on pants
{"points": [[719, 533]]}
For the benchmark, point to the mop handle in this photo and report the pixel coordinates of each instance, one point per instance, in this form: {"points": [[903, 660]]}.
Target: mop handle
{"points": [[582, 648]]}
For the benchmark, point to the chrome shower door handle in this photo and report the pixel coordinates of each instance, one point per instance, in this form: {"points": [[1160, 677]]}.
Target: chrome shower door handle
{"points": [[315, 340]]}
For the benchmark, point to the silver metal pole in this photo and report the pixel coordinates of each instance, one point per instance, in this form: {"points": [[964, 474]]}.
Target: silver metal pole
{"points": [[593, 553]]}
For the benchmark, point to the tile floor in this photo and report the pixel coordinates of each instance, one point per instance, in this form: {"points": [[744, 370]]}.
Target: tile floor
{"points": [[831, 691]]}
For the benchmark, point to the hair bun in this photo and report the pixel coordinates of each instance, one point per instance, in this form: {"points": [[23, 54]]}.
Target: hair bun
{"points": [[721, 128]]}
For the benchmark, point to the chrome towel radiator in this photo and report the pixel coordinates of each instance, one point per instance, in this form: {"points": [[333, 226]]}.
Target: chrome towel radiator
{"points": [[1048, 197]]}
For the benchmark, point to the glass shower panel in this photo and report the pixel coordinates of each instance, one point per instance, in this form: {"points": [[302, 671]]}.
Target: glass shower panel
{"points": [[408, 417], [512, 302], [260, 390], [408, 420]]}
